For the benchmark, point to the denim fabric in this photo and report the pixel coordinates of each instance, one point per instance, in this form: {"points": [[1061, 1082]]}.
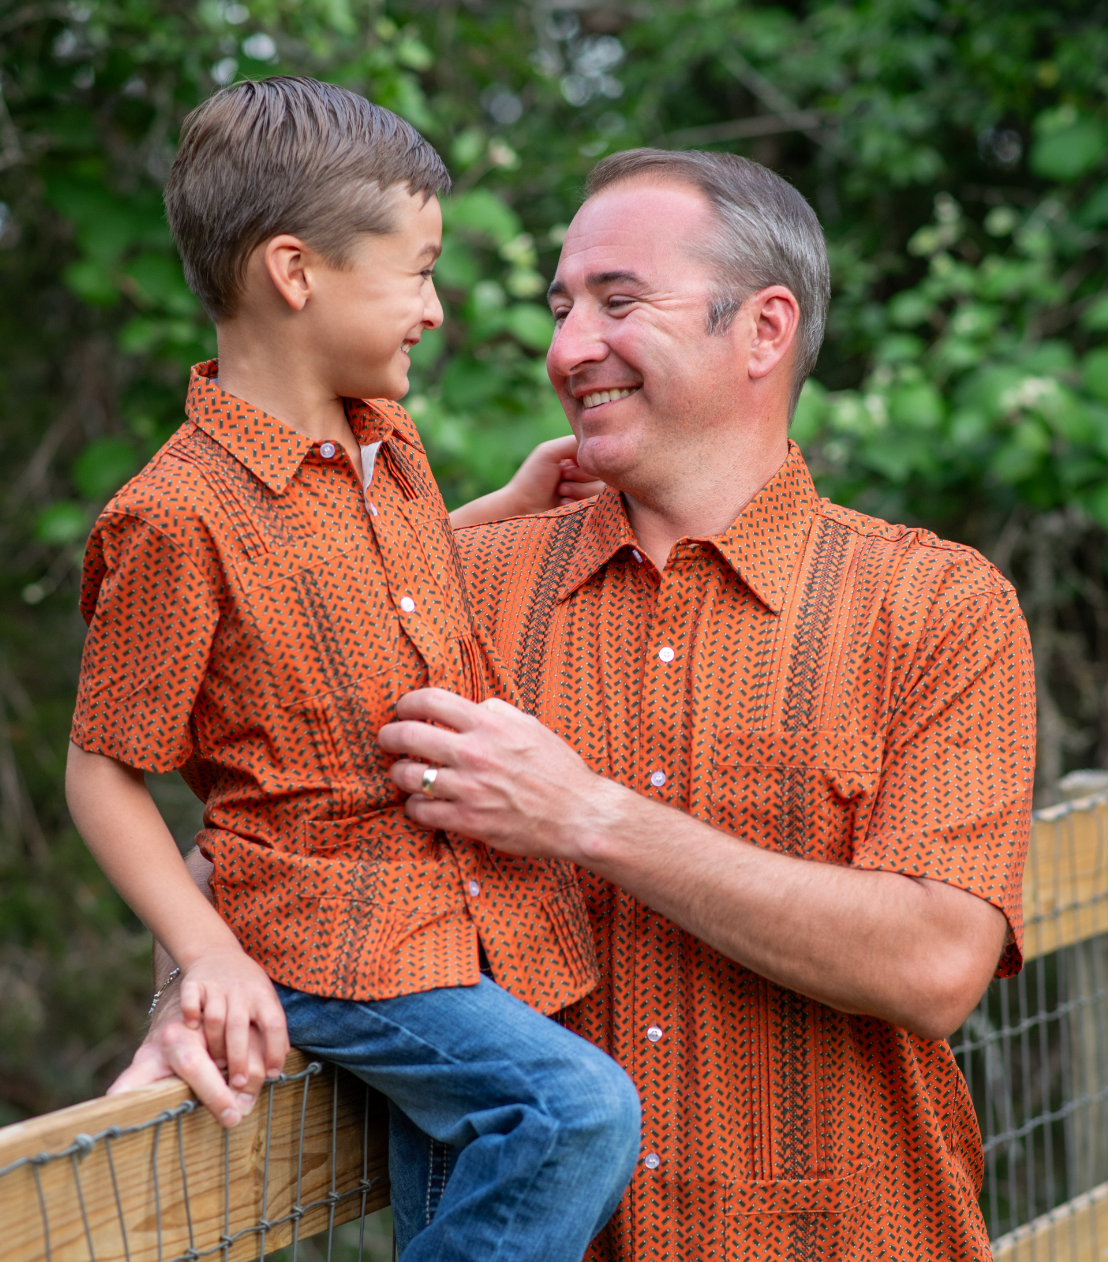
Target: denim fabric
{"points": [[534, 1133]]}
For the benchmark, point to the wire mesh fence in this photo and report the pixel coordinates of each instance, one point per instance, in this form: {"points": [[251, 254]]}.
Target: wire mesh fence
{"points": [[1035, 1053], [161, 1180], [151, 1175]]}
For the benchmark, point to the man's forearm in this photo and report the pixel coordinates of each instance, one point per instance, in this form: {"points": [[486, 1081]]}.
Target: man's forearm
{"points": [[913, 952], [916, 953]]}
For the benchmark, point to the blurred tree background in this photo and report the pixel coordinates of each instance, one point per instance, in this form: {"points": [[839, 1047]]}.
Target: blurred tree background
{"points": [[954, 150]]}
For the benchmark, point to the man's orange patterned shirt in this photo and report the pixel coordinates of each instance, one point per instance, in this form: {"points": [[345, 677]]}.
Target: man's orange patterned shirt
{"points": [[254, 614], [819, 683]]}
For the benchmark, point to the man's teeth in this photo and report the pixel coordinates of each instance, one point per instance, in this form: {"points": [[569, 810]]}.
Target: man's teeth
{"points": [[605, 396]]}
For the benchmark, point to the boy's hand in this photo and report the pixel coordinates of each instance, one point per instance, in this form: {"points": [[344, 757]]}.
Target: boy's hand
{"points": [[171, 1049], [226, 994], [548, 478]]}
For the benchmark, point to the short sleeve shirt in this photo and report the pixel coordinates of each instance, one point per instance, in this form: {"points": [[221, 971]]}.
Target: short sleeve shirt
{"points": [[254, 614], [819, 683]]}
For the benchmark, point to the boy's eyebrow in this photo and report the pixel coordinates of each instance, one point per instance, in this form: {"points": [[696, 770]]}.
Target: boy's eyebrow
{"points": [[433, 248], [595, 280]]}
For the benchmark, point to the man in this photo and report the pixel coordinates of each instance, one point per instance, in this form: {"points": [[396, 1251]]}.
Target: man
{"points": [[789, 746]]}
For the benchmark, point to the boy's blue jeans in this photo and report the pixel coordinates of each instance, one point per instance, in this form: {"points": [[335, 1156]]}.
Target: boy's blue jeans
{"points": [[511, 1139]]}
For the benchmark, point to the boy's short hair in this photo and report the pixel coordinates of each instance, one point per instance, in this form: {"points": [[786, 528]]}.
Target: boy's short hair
{"points": [[286, 155]]}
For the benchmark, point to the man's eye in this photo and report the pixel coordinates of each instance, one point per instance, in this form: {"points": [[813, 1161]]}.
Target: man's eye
{"points": [[616, 303], [559, 313]]}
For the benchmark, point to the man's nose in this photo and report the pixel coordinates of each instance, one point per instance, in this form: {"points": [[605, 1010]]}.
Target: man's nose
{"points": [[577, 341]]}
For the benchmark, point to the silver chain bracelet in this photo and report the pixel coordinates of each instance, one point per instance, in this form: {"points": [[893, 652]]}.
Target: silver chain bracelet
{"points": [[162, 989]]}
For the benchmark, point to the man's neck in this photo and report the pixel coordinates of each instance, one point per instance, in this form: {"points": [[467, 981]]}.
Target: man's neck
{"points": [[701, 502]]}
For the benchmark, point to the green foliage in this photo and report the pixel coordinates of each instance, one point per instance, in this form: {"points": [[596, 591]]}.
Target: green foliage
{"points": [[955, 153]]}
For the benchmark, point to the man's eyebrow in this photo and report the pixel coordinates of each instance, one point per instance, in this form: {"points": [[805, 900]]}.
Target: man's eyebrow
{"points": [[596, 280]]}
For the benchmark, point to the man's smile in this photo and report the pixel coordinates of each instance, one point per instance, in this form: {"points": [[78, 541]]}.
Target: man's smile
{"points": [[598, 397]]}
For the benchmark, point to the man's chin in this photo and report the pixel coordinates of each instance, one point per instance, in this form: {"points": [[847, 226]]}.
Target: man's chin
{"points": [[607, 458]]}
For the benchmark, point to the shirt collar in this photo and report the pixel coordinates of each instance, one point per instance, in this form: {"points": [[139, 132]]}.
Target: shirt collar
{"points": [[270, 449], [761, 545]]}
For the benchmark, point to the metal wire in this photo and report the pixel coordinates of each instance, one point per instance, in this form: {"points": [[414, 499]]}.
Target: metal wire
{"points": [[83, 1145], [1035, 1059]]}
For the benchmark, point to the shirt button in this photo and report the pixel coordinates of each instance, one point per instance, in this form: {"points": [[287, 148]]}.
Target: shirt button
{"points": [[473, 889], [657, 779], [654, 1033], [666, 654], [407, 604], [652, 1161], [327, 450], [637, 555]]}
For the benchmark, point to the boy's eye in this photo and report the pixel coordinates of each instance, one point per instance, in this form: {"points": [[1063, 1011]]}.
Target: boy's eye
{"points": [[427, 273]]}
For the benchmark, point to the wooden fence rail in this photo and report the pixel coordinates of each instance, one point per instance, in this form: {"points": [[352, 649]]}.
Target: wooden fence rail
{"points": [[149, 1176]]}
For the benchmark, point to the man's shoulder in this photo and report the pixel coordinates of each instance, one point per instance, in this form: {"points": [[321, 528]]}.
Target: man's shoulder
{"points": [[493, 549], [915, 558]]}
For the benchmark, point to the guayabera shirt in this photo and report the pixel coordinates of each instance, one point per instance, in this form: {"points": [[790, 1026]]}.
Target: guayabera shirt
{"points": [[254, 613], [819, 683]]}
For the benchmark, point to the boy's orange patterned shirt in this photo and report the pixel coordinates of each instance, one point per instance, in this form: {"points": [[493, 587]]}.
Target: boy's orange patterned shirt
{"points": [[254, 614], [819, 683]]}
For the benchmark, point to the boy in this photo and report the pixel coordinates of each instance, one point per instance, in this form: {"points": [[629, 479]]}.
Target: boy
{"points": [[258, 598]]}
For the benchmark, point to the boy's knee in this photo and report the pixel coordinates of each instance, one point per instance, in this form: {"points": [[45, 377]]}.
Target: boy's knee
{"points": [[606, 1100]]}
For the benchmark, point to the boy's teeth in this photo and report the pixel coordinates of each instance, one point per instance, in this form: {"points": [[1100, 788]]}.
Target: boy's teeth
{"points": [[605, 396]]}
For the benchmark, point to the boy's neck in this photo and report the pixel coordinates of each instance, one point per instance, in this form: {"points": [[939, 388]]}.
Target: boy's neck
{"points": [[281, 380]]}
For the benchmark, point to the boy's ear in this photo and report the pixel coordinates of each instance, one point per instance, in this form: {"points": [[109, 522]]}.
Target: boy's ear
{"points": [[287, 262]]}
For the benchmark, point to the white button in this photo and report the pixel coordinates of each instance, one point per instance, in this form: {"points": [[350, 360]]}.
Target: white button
{"points": [[327, 450], [652, 1161], [473, 889], [637, 555], [654, 1033], [407, 604], [666, 654], [657, 779]]}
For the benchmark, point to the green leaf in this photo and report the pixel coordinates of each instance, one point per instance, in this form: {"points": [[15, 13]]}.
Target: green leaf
{"points": [[157, 280], [468, 383], [458, 267], [103, 467], [1067, 144], [62, 523], [917, 406], [1096, 316], [92, 283], [483, 214], [1094, 374], [811, 409], [531, 325]]}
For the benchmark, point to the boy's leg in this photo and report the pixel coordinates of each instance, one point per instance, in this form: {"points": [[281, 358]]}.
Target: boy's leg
{"points": [[543, 1126]]}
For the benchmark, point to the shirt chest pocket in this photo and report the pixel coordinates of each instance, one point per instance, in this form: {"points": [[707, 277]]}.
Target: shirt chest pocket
{"points": [[803, 791], [321, 620]]}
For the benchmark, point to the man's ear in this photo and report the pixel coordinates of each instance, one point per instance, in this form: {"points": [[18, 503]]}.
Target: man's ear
{"points": [[287, 261], [774, 316]]}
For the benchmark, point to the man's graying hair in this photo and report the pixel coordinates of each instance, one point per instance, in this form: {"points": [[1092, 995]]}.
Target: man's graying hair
{"points": [[770, 236]]}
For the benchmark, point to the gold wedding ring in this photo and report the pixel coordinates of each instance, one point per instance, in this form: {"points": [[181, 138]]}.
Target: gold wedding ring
{"points": [[427, 786]]}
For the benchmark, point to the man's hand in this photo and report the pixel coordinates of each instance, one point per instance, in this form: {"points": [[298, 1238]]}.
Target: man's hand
{"points": [[548, 478], [504, 778], [226, 995], [914, 952], [174, 1049]]}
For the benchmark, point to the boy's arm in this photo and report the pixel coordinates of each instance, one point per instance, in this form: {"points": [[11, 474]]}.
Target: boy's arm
{"points": [[222, 990], [548, 478]]}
